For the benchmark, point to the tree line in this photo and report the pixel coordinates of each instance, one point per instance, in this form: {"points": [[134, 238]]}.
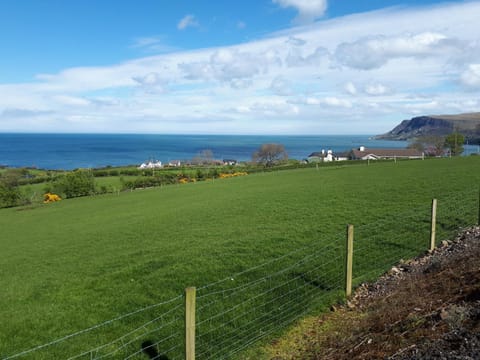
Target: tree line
{"points": [[433, 145], [82, 182]]}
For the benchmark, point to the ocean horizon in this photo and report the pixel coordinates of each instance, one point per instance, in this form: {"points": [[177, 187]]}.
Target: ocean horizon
{"points": [[71, 151]]}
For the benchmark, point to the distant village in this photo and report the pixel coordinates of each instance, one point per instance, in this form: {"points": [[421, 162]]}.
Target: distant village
{"points": [[157, 164], [361, 153]]}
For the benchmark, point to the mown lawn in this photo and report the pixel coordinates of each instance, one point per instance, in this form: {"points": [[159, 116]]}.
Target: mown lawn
{"points": [[70, 265]]}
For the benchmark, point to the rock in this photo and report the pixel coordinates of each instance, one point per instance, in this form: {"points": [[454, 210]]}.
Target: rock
{"points": [[395, 270], [443, 314]]}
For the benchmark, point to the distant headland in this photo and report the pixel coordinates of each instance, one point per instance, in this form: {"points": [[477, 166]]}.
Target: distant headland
{"points": [[467, 124]]}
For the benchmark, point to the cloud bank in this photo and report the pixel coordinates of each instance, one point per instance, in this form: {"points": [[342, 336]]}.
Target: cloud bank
{"points": [[356, 74]]}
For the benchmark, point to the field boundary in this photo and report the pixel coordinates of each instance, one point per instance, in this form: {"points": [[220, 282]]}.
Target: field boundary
{"points": [[308, 279]]}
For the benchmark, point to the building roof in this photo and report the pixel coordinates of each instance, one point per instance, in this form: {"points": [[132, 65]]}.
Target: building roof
{"points": [[317, 153], [388, 153]]}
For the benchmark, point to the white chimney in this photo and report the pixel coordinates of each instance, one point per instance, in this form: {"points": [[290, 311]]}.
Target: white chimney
{"points": [[362, 148]]}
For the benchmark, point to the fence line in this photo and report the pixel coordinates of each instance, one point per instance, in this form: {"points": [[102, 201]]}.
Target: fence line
{"points": [[237, 311], [92, 328]]}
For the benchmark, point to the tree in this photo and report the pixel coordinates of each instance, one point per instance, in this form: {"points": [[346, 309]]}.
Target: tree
{"points": [[12, 177], [204, 157], [270, 154], [432, 145], [74, 184], [454, 142], [10, 194]]}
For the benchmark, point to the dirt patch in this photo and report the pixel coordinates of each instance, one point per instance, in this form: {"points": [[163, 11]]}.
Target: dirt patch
{"points": [[425, 308]]}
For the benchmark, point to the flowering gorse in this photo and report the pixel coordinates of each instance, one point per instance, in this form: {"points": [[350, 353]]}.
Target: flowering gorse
{"points": [[49, 198]]}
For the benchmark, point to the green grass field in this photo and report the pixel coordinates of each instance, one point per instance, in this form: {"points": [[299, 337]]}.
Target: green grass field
{"points": [[70, 265]]}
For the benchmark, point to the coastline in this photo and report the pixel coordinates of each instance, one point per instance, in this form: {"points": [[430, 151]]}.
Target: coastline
{"points": [[70, 151]]}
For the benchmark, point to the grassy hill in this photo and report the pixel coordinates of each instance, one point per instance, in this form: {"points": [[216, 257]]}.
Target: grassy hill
{"points": [[70, 265]]}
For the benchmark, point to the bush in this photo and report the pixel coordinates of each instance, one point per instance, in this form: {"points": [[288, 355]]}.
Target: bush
{"points": [[49, 198], [9, 195], [74, 184]]}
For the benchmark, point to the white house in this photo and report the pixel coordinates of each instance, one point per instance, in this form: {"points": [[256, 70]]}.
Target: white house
{"points": [[229, 162], [326, 156], [175, 163], [151, 165]]}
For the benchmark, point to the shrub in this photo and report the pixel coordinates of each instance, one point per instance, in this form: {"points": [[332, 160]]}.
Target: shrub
{"points": [[74, 184], [9, 195], [229, 175], [49, 198]]}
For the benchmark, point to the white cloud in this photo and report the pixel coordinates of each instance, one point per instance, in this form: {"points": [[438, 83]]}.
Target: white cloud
{"points": [[331, 101], [301, 78], [296, 57], [241, 83], [229, 64], [281, 86], [470, 78], [187, 21], [376, 89], [334, 101], [13, 113], [308, 10], [422, 107], [350, 88], [71, 100], [295, 41], [153, 44], [274, 108], [152, 82], [375, 51]]}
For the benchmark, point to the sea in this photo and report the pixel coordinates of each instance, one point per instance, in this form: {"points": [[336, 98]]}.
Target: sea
{"points": [[72, 151]]}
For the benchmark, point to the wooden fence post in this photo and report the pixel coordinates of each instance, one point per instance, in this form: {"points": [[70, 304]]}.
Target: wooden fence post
{"points": [[434, 221], [478, 220], [349, 261], [190, 296]]}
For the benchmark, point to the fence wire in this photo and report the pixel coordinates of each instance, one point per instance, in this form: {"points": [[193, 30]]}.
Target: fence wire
{"points": [[239, 310]]}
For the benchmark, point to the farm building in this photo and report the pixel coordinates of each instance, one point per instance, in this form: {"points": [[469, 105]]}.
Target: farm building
{"points": [[326, 156], [152, 164], [175, 163], [229, 162], [363, 153]]}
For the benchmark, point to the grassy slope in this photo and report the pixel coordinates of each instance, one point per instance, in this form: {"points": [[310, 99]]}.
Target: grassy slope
{"points": [[428, 310], [69, 265]]}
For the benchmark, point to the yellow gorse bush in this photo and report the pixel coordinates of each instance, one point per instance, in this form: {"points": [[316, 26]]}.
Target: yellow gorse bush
{"points": [[227, 175], [49, 197]]}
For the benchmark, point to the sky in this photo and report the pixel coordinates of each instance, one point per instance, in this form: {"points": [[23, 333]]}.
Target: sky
{"points": [[283, 67]]}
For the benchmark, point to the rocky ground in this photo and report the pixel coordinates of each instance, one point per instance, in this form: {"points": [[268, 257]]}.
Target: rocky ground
{"points": [[424, 308]]}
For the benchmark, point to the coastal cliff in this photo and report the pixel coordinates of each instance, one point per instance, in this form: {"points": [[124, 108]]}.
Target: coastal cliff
{"points": [[436, 125]]}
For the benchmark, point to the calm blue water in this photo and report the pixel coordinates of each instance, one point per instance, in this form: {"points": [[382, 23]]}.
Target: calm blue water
{"points": [[70, 151]]}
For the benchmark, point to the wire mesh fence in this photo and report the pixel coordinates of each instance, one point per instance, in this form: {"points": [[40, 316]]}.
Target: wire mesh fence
{"points": [[238, 311]]}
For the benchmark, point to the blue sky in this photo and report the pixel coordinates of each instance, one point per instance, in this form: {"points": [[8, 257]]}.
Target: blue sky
{"points": [[235, 67]]}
